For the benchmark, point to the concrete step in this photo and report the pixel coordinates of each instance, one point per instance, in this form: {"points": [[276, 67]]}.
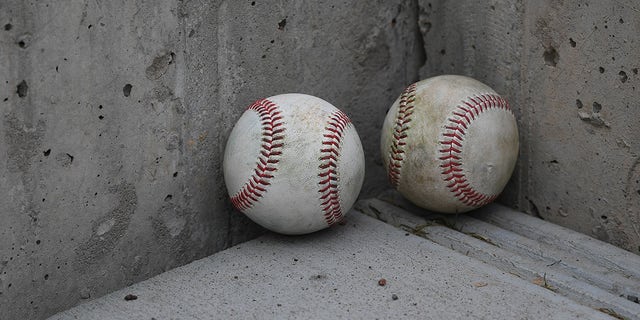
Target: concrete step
{"points": [[584, 269], [431, 270]]}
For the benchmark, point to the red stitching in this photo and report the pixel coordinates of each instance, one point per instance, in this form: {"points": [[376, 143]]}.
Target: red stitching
{"points": [[396, 154], [330, 152], [272, 138], [452, 140]]}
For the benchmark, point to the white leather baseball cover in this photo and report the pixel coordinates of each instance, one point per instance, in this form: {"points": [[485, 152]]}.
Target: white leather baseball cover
{"points": [[293, 163], [449, 144]]}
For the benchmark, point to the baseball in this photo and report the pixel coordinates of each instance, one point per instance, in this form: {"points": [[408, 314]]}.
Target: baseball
{"points": [[293, 164], [449, 144]]}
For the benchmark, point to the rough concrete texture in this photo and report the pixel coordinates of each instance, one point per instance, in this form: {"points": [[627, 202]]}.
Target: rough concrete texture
{"points": [[570, 70], [336, 274], [586, 270], [114, 116]]}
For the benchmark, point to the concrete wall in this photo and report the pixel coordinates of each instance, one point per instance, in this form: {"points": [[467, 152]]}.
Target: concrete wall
{"points": [[114, 116], [570, 69]]}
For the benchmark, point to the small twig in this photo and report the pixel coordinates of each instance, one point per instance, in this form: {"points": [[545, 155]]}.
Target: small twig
{"points": [[482, 238], [611, 313], [549, 265]]}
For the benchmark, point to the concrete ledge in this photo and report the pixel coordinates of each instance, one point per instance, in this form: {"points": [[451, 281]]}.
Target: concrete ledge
{"points": [[336, 274], [540, 252]]}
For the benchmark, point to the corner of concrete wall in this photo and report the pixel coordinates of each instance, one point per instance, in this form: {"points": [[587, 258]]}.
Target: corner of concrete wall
{"points": [[570, 70], [357, 56], [483, 41]]}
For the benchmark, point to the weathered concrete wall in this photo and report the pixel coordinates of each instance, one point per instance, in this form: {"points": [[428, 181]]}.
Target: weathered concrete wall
{"points": [[114, 116], [570, 69]]}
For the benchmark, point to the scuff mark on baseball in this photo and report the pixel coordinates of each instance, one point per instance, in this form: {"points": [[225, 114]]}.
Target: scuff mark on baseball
{"points": [[293, 164], [449, 144]]}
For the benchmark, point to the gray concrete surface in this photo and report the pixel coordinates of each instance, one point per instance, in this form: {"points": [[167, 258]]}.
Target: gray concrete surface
{"points": [[605, 277], [570, 70], [334, 274], [114, 116]]}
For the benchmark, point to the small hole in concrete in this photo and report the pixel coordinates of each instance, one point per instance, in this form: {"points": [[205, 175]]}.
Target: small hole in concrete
{"points": [[168, 197], [443, 52], [634, 70], [100, 117], [264, 56], [427, 27], [621, 21], [47, 152], [175, 174], [603, 217], [89, 26], [579, 104], [130, 297], [8, 27], [551, 56], [126, 90], [596, 108], [601, 69], [623, 76], [393, 22], [572, 42], [253, 3], [22, 44], [37, 241], [46, 277], [22, 89], [282, 24], [191, 33], [100, 107]]}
